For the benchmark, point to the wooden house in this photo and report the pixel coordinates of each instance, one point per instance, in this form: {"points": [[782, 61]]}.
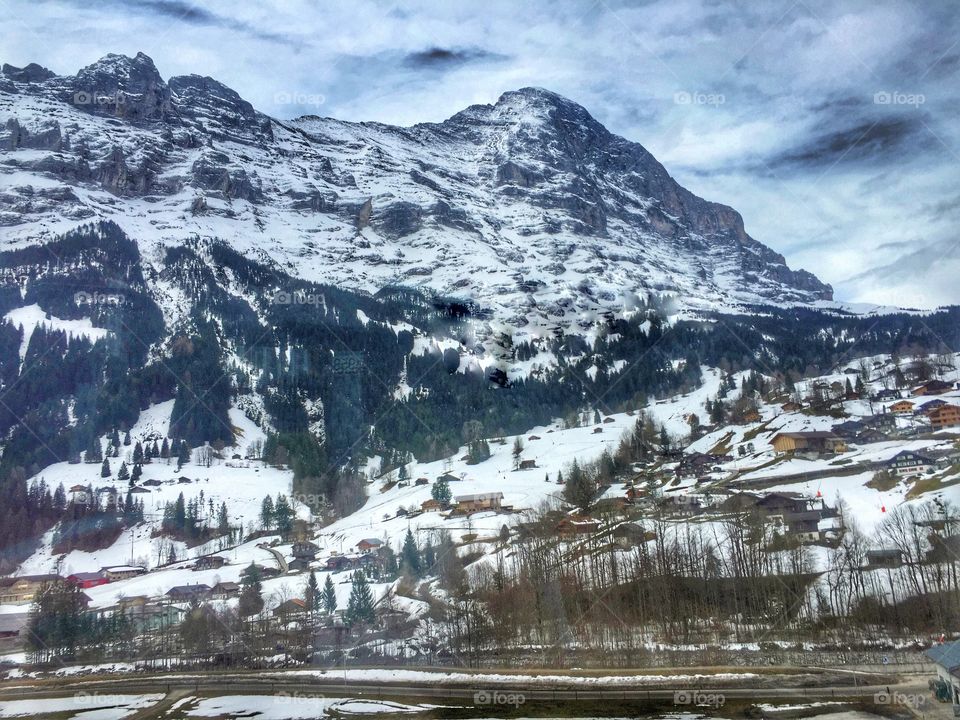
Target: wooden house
{"points": [[479, 502], [932, 387], [369, 545], [820, 442], [944, 416]]}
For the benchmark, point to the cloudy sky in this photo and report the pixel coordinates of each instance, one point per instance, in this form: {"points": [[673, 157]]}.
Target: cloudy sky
{"points": [[833, 127]]}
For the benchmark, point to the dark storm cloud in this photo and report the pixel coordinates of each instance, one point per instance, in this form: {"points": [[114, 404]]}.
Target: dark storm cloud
{"points": [[866, 140], [442, 58]]}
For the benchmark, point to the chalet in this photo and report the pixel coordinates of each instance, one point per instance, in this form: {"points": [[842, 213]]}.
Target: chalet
{"points": [[791, 406], [448, 478], [479, 502], [12, 625], [943, 549], [139, 490], [121, 572], [577, 525], [288, 609], [946, 658], [932, 387], [422, 481], [300, 564], [771, 504], [533, 437], [819, 442], [608, 420], [291, 608], [369, 545], [929, 406], [751, 416], [132, 601], [209, 562], [804, 526], [20, 590], [305, 549], [948, 459], [886, 394], [629, 534], [224, 590], [884, 558], [152, 483], [880, 421], [909, 463], [901, 407], [597, 430], [186, 593], [86, 580], [944, 416], [304, 553], [430, 505], [339, 562], [528, 464], [849, 430], [184, 481]]}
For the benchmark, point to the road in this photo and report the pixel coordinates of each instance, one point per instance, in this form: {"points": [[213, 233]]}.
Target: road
{"points": [[278, 556]]}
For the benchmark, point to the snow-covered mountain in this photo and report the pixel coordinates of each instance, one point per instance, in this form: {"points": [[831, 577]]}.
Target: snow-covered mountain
{"points": [[528, 207]]}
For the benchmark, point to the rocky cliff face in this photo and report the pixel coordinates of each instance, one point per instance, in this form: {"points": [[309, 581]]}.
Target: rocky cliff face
{"points": [[528, 207]]}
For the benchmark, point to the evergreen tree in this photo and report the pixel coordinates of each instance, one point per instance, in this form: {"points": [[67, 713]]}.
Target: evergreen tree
{"points": [[410, 559], [329, 596], [251, 594], [183, 454], [105, 469], [123, 474], [165, 449], [266, 513], [360, 605], [180, 514], [283, 515], [311, 593], [126, 438], [441, 492], [135, 475], [138, 453], [580, 488]]}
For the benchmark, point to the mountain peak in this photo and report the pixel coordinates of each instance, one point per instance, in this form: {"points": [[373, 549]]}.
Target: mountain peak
{"points": [[123, 86]]}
